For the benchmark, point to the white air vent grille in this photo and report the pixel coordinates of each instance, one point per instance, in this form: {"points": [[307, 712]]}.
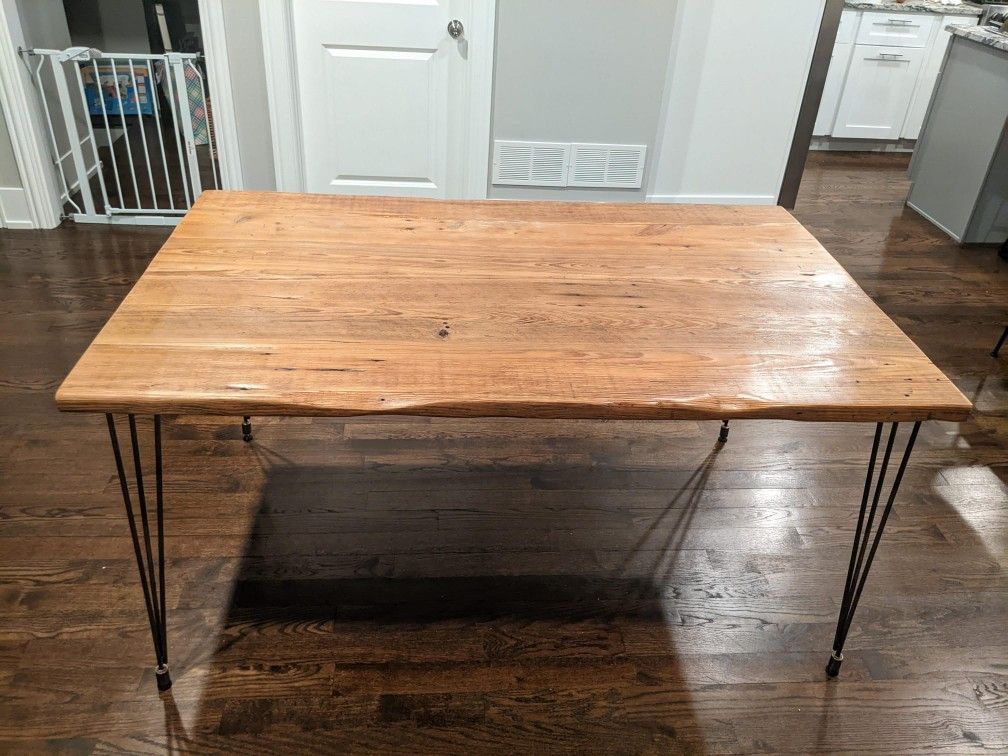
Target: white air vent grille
{"points": [[608, 165], [531, 163], [619, 166]]}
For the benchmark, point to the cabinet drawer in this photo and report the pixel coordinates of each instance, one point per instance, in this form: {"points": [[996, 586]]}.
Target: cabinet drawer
{"points": [[896, 29]]}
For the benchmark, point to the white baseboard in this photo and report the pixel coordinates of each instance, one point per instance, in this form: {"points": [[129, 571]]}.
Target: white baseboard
{"points": [[836, 144], [14, 211], [126, 219], [714, 199], [929, 219]]}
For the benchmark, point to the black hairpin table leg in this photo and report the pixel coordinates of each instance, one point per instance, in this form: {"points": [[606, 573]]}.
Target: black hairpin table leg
{"points": [[1001, 341], [153, 584], [861, 555], [246, 428], [723, 435]]}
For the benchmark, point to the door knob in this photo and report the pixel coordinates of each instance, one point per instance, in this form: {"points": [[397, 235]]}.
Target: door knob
{"points": [[455, 28]]}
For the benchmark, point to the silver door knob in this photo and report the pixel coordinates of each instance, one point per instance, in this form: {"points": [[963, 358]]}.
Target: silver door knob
{"points": [[455, 28]]}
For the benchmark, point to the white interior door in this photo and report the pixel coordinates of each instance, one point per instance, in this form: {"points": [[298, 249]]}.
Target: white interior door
{"points": [[387, 94]]}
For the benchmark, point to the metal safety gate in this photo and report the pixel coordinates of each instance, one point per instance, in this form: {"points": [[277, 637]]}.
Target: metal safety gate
{"points": [[138, 133]]}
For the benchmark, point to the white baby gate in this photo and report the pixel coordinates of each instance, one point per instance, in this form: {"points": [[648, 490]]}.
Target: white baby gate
{"points": [[142, 177]]}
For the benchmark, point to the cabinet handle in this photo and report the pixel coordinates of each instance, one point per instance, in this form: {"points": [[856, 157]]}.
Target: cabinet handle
{"points": [[890, 59], [896, 22]]}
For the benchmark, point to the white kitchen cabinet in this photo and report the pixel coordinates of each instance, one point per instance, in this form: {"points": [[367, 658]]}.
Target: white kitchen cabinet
{"points": [[847, 31], [833, 88], [882, 73], [929, 76], [876, 95]]}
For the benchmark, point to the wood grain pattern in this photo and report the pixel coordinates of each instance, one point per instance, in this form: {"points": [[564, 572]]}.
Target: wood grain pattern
{"points": [[279, 304]]}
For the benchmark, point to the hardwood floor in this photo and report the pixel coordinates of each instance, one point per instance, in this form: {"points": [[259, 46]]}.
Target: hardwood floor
{"points": [[510, 586], [165, 186]]}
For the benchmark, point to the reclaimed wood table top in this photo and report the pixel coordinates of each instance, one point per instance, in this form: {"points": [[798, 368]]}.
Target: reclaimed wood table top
{"points": [[287, 304]]}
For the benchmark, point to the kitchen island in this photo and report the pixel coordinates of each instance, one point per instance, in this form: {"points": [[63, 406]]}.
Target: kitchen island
{"points": [[960, 168]]}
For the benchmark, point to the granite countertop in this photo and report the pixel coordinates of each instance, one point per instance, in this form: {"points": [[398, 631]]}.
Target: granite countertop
{"points": [[916, 6], [985, 35]]}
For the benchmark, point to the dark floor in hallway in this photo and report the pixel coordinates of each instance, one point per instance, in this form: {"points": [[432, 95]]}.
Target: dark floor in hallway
{"points": [[433, 586]]}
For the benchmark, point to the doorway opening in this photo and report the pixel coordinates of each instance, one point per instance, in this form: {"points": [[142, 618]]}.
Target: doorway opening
{"points": [[126, 107]]}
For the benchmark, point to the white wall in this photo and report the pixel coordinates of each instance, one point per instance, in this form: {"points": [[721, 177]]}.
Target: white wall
{"points": [[13, 208], [9, 175], [736, 76], [124, 26], [44, 24], [579, 71], [28, 23], [109, 25], [713, 87]]}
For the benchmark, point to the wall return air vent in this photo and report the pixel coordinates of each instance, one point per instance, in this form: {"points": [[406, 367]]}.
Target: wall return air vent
{"points": [[531, 163], [619, 166]]}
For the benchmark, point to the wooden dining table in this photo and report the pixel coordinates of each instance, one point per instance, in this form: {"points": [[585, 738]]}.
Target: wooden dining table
{"points": [[275, 304]]}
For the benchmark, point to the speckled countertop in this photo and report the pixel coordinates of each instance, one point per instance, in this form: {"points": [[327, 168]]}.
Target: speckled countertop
{"points": [[916, 6], [985, 35]]}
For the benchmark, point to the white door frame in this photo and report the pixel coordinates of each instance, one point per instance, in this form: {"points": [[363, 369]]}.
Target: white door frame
{"points": [[276, 18], [214, 33], [20, 110]]}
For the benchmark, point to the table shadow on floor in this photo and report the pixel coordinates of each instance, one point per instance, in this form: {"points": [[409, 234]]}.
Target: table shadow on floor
{"points": [[414, 606]]}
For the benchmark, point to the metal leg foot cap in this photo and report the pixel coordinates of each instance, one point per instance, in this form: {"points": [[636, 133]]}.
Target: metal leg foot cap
{"points": [[833, 667], [162, 677], [246, 428], [723, 435]]}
